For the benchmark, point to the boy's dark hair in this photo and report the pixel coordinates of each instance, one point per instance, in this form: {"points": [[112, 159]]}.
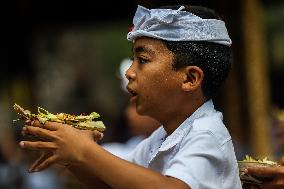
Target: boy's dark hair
{"points": [[214, 59]]}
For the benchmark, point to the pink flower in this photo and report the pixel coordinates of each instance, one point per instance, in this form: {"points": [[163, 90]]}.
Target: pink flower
{"points": [[131, 28]]}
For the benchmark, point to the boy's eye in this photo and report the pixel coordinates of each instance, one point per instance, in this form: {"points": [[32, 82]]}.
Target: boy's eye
{"points": [[142, 60]]}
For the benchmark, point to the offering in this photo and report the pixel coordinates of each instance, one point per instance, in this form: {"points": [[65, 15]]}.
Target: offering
{"points": [[251, 162], [84, 122]]}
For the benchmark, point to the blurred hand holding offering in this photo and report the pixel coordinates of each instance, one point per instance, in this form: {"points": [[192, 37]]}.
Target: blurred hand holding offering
{"points": [[253, 179]]}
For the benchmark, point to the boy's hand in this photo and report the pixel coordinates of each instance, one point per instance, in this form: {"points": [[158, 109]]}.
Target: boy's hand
{"points": [[63, 144]]}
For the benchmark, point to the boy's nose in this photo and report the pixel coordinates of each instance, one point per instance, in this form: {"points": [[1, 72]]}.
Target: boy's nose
{"points": [[130, 74]]}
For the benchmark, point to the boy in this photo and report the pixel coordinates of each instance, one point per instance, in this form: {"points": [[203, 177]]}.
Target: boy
{"points": [[180, 58]]}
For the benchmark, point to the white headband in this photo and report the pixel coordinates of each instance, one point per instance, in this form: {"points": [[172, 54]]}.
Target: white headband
{"points": [[177, 25]]}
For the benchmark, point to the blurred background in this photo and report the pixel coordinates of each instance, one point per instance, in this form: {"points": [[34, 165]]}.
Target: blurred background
{"points": [[65, 55]]}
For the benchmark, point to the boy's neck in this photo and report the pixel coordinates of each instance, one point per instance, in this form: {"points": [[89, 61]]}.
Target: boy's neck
{"points": [[173, 121]]}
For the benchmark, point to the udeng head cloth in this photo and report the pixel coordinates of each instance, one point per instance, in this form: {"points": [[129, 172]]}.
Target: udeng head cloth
{"points": [[177, 25]]}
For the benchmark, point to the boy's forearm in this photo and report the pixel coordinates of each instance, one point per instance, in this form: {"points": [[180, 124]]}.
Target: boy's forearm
{"points": [[87, 178], [120, 174]]}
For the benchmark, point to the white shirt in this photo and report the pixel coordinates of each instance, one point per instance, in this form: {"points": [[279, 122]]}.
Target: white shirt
{"points": [[199, 152]]}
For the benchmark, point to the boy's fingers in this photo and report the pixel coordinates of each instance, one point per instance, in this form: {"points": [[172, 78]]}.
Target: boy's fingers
{"points": [[97, 135], [45, 164], [37, 162], [38, 145], [23, 131], [42, 157], [28, 122], [50, 125], [37, 131], [53, 126], [35, 123]]}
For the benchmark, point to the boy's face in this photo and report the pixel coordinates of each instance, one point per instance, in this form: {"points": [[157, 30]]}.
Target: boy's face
{"points": [[154, 85]]}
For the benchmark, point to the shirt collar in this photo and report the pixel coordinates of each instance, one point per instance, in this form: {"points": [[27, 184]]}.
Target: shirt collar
{"points": [[176, 137]]}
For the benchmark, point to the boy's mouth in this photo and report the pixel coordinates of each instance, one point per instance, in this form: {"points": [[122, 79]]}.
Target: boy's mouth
{"points": [[132, 92]]}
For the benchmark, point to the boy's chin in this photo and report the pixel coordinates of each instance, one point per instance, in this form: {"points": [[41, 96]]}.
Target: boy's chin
{"points": [[133, 99], [140, 110]]}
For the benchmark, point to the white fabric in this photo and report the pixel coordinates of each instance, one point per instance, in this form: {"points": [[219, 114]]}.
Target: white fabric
{"points": [[177, 25], [199, 152]]}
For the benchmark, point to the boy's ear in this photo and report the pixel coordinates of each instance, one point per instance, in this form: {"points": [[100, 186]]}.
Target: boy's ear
{"points": [[193, 79]]}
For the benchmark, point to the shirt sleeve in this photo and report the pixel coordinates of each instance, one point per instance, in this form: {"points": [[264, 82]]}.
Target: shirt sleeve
{"points": [[199, 161], [139, 154]]}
